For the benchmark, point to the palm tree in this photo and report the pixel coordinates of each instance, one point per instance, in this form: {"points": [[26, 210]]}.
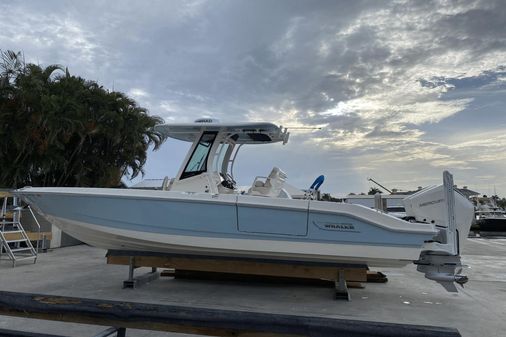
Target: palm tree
{"points": [[65, 131], [11, 63]]}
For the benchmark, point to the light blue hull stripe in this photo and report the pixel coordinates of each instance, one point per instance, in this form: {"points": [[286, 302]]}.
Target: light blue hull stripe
{"points": [[217, 220]]}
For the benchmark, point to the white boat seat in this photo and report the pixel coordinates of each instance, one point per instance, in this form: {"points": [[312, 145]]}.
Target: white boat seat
{"points": [[271, 186], [259, 183]]}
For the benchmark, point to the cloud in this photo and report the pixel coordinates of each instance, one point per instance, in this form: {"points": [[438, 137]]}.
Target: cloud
{"points": [[391, 83]]}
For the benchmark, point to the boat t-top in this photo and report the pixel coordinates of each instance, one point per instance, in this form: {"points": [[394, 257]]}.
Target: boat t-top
{"points": [[201, 211]]}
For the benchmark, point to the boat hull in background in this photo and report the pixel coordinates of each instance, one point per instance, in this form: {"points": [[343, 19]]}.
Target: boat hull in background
{"points": [[492, 225]]}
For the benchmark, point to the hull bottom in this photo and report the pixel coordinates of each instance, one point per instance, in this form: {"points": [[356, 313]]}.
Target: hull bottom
{"points": [[492, 225], [120, 239]]}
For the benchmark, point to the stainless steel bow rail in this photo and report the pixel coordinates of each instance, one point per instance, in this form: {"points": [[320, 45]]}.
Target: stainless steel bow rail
{"points": [[195, 320]]}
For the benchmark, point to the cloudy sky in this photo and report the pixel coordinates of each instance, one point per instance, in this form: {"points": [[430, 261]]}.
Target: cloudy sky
{"points": [[401, 90]]}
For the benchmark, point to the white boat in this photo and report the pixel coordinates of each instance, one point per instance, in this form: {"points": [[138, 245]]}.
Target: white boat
{"points": [[491, 219], [201, 211], [390, 203]]}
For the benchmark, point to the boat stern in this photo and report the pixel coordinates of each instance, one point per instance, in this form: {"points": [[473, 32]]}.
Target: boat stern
{"points": [[452, 214]]}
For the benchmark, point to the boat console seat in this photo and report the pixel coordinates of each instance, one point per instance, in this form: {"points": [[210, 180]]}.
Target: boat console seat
{"points": [[272, 186]]}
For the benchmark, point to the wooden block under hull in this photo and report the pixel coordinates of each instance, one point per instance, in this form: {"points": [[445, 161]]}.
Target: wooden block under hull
{"points": [[33, 236], [248, 267], [376, 277]]}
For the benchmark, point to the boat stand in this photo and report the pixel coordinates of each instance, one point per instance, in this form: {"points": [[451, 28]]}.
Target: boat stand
{"points": [[134, 282], [340, 275], [341, 287]]}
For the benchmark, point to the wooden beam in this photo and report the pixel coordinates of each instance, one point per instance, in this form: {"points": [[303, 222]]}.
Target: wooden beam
{"points": [[215, 276], [357, 273], [196, 320], [376, 277], [4, 194], [33, 236]]}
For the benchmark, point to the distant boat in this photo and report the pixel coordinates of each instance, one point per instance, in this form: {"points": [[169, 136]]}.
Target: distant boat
{"points": [[201, 211], [390, 203], [491, 220]]}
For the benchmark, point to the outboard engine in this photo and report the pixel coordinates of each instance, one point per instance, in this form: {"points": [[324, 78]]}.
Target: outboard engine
{"points": [[452, 214]]}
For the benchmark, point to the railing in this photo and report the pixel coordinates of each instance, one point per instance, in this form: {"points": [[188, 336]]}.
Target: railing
{"points": [[195, 320], [38, 228]]}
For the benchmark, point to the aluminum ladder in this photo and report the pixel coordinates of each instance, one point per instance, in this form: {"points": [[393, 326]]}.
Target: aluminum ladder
{"points": [[13, 238]]}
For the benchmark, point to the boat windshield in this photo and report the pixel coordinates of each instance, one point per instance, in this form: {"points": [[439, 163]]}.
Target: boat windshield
{"points": [[198, 160]]}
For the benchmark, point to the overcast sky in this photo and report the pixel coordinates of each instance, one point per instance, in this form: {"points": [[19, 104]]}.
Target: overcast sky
{"points": [[402, 90]]}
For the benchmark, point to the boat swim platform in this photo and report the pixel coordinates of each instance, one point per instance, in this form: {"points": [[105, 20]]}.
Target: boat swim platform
{"points": [[341, 275], [195, 320]]}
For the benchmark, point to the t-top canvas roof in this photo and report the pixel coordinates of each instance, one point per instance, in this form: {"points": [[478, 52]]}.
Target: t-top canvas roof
{"points": [[241, 133]]}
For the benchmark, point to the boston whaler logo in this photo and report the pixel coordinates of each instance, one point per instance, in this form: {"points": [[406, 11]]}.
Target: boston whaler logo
{"points": [[340, 227]]}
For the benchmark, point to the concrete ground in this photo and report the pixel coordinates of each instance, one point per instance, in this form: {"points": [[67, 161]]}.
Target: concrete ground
{"points": [[477, 310]]}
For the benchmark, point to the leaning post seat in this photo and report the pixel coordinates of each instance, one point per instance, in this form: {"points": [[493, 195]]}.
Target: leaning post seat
{"points": [[272, 185]]}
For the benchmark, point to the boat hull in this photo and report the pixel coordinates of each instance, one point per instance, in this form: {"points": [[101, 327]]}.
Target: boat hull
{"points": [[224, 225], [493, 225]]}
